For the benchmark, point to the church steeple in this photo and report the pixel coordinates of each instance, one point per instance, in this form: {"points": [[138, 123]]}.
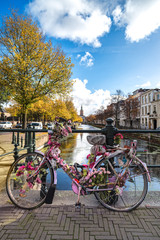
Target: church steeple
{"points": [[81, 111]]}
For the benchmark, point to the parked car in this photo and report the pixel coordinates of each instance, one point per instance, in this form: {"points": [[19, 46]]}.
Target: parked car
{"points": [[18, 125], [5, 125], [36, 125], [50, 126]]}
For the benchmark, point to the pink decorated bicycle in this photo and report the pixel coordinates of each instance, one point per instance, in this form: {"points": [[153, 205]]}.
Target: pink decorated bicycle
{"points": [[117, 178]]}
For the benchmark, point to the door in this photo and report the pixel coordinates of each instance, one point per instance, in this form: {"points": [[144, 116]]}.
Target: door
{"points": [[154, 123]]}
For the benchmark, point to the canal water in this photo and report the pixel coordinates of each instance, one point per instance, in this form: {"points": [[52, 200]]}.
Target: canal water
{"points": [[76, 148]]}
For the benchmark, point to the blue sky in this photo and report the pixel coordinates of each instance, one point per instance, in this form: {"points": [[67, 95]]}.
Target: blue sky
{"points": [[113, 44]]}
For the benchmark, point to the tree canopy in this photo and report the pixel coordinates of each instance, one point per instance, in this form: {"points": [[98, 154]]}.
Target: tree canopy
{"points": [[30, 67], [47, 109], [4, 96]]}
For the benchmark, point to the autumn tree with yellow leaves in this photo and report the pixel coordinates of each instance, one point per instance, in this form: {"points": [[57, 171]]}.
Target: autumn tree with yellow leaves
{"points": [[47, 109], [73, 112], [30, 67]]}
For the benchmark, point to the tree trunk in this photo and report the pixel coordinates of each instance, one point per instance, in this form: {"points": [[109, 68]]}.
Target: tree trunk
{"points": [[24, 118]]}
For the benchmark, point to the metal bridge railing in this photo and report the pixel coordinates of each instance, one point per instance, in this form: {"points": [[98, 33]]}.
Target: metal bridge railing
{"points": [[29, 142]]}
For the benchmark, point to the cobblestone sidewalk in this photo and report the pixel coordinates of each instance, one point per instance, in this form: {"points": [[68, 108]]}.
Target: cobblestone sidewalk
{"points": [[87, 223]]}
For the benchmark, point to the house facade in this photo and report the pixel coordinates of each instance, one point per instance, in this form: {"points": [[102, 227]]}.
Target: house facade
{"points": [[129, 116], [150, 109], [140, 110]]}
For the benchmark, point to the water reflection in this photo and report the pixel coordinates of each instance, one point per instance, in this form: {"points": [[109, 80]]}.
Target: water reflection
{"points": [[76, 147], [150, 154]]}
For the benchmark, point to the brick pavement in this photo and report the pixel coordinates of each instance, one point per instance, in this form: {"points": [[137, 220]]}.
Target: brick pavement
{"points": [[88, 223]]}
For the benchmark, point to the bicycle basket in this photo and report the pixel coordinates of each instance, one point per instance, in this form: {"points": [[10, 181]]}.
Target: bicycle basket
{"points": [[96, 139]]}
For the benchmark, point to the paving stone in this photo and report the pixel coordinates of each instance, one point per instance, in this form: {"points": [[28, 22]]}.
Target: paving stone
{"points": [[87, 223]]}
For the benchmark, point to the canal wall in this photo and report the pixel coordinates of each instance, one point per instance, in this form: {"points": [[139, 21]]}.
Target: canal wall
{"points": [[153, 139]]}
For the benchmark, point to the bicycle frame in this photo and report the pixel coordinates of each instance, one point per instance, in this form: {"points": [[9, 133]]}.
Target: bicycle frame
{"points": [[112, 155]]}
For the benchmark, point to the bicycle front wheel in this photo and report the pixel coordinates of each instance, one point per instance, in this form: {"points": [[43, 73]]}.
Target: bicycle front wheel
{"points": [[24, 193], [123, 193]]}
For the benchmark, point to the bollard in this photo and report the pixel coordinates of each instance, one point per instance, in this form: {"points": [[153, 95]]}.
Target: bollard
{"points": [[109, 131], [21, 141], [30, 144], [26, 140], [33, 141], [29, 149], [13, 138], [15, 149], [17, 138]]}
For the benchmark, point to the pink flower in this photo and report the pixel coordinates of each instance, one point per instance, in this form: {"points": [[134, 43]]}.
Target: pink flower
{"points": [[49, 142], [118, 135], [119, 190], [64, 132], [84, 165], [20, 171], [60, 162], [91, 165], [21, 168], [30, 185], [107, 154], [22, 191], [29, 167], [38, 180], [69, 129]]}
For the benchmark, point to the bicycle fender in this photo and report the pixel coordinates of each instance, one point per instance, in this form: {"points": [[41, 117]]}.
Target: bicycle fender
{"points": [[50, 194], [52, 188]]}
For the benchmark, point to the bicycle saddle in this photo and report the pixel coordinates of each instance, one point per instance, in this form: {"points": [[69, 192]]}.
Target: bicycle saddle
{"points": [[96, 139]]}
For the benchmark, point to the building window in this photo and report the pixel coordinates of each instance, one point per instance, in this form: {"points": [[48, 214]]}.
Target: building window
{"points": [[142, 121], [146, 99], [149, 109], [145, 110], [143, 100], [154, 109], [157, 96], [146, 122], [142, 110], [149, 97]]}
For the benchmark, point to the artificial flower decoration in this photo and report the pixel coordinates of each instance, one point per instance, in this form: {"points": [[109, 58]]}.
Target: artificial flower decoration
{"points": [[117, 138]]}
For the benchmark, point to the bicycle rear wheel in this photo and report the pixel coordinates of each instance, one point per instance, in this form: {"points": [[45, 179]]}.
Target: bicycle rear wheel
{"points": [[127, 193], [29, 194]]}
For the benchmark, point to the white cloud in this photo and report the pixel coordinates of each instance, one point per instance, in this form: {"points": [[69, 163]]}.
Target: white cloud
{"points": [[85, 21], [141, 18], [90, 101], [81, 21], [78, 55], [87, 59], [144, 85], [158, 85], [117, 15]]}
